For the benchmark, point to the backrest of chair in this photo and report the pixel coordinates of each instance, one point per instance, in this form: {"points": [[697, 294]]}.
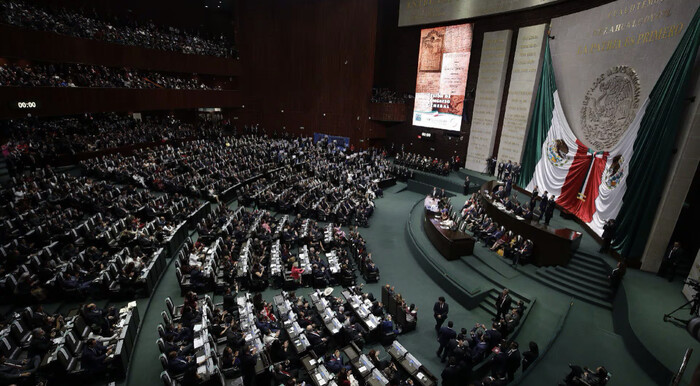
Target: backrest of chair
{"points": [[170, 305], [17, 329], [64, 358], [71, 341], [80, 326], [161, 345], [165, 377], [161, 330], [163, 361], [166, 318], [6, 347]]}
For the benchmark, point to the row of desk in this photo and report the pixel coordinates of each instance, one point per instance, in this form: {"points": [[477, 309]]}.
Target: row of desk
{"points": [[452, 244]]}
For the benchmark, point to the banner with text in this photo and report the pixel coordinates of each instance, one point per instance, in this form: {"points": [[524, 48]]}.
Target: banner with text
{"points": [[523, 81], [489, 92], [443, 63]]}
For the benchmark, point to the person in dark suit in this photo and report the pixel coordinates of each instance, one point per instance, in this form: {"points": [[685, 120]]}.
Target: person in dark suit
{"points": [[95, 357], [549, 211], [616, 276], [608, 234], [543, 204], [316, 340], [670, 261], [40, 344], [512, 360], [444, 336], [530, 355], [498, 363], [388, 327], [451, 373], [503, 304], [466, 185], [440, 310]]}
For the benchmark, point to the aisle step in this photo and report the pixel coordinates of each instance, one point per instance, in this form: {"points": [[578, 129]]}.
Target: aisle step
{"points": [[592, 260], [602, 290], [569, 289], [593, 279], [588, 267]]}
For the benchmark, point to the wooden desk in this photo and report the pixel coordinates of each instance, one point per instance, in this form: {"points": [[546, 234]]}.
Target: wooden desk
{"points": [[451, 244], [552, 246]]}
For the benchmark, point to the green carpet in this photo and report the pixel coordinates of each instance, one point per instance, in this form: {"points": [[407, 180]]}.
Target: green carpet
{"points": [[587, 336]]}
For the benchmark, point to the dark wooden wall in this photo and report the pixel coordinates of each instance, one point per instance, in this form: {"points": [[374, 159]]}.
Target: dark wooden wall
{"points": [[67, 101], [304, 59], [397, 61]]}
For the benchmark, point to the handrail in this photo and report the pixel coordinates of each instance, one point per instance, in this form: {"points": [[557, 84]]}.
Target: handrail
{"points": [[679, 375]]}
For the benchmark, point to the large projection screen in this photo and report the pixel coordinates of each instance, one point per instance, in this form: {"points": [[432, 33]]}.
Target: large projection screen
{"points": [[443, 62]]}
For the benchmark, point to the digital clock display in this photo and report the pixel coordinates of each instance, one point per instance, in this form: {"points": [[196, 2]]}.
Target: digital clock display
{"points": [[24, 105]]}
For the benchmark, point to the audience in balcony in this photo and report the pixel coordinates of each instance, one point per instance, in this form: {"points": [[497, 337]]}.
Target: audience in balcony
{"points": [[93, 76], [126, 32]]}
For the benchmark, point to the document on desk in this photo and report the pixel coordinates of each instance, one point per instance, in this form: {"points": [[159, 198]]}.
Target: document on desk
{"points": [[201, 359], [198, 342], [201, 370]]}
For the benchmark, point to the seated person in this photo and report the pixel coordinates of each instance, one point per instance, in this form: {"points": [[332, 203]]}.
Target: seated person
{"points": [[334, 362], [387, 326], [95, 357]]}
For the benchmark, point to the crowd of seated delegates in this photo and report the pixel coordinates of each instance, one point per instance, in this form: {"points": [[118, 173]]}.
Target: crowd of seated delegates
{"points": [[35, 142], [384, 95], [229, 231], [464, 350], [126, 32], [93, 75], [428, 164], [208, 167], [497, 238], [235, 356], [324, 344], [202, 168], [305, 193], [75, 237], [28, 337]]}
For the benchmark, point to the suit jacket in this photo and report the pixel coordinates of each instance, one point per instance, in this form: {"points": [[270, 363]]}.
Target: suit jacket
{"points": [[314, 338], [39, 346], [438, 310], [445, 334], [179, 365], [513, 360], [93, 358], [503, 303], [674, 255]]}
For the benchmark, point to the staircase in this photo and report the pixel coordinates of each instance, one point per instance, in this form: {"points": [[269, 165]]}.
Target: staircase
{"points": [[489, 302], [585, 278]]}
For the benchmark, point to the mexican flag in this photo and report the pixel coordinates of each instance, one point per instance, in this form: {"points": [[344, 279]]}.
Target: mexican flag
{"points": [[625, 180]]}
